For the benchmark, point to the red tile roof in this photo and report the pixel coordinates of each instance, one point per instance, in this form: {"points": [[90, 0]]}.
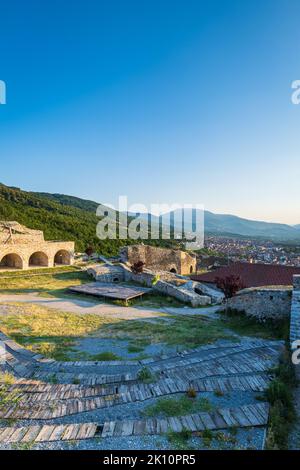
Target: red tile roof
{"points": [[253, 275]]}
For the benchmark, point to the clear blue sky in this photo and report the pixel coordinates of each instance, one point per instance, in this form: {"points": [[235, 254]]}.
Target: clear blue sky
{"points": [[163, 101]]}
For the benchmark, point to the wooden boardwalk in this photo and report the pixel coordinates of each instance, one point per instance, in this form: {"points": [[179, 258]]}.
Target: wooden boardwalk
{"points": [[220, 367], [243, 416], [110, 290], [59, 401]]}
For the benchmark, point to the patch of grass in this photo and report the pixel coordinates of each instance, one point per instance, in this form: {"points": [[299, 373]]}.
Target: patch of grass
{"points": [[218, 393], [282, 411], [184, 405], [233, 430], [53, 379], [47, 282], [145, 375], [207, 437], [245, 326], [7, 397], [38, 271], [23, 445], [191, 392], [155, 300], [7, 379], [46, 331], [135, 348], [105, 356], [179, 440], [189, 331]]}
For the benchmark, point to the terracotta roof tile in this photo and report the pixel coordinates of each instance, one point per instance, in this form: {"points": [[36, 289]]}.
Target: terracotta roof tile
{"points": [[253, 275]]}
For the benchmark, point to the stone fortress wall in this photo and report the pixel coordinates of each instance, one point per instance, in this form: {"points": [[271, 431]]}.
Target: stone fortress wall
{"points": [[263, 303], [295, 311], [23, 248], [160, 259]]}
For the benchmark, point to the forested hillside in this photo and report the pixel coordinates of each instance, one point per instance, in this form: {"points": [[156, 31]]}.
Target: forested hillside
{"points": [[60, 217]]}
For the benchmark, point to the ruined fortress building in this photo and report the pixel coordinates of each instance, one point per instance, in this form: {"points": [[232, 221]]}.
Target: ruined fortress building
{"points": [[23, 248], [160, 259]]}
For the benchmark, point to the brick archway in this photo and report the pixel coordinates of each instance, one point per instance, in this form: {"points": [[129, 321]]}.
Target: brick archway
{"points": [[38, 258], [62, 257], [11, 261]]}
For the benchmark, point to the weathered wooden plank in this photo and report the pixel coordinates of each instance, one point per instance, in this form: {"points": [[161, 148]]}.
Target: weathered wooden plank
{"points": [[44, 433], [70, 431], [240, 417], [88, 430], [57, 433], [139, 427], [108, 428], [255, 421], [228, 418], [18, 434], [127, 428], [220, 423], [162, 426], [31, 434], [5, 436], [207, 421], [175, 424]]}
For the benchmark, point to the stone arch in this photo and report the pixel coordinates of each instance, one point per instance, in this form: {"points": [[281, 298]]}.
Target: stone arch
{"points": [[173, 270], [62, 257], [11, 260], [38, 258]]}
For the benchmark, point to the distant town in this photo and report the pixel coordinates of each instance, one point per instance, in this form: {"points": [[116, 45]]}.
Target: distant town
{"points": [[225, 250]]}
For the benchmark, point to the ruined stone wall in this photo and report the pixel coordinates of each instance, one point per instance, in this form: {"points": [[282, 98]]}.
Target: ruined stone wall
{"points": [[19, 235], [263, 303], [178, 292], [160, 259], [107, 273]]}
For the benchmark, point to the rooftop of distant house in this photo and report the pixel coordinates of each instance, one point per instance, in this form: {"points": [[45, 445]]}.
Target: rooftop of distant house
{"points": [[252, 275]]}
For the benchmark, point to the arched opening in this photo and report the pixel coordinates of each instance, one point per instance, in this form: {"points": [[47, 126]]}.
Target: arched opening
{"points": [[173, 270], [62, 257], [191, 269], [38, 259], [11, 261]]}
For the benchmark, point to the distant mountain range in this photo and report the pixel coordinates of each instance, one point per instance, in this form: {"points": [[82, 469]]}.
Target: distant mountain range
{"points": [[232, 225], [72, 218]]}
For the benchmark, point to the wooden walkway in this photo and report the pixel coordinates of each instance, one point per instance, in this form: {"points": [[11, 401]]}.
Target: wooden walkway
{"points": [[220, 367], [110, 290], [58, 402], [243, 416]]}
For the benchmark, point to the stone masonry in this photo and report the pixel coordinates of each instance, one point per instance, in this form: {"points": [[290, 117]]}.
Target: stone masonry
{"points": [[263, 303], [23, 248], [160, 259], [295, 311]]}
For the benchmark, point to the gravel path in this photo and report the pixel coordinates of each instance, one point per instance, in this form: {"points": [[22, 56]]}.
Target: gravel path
{"points": [[83, 306]]}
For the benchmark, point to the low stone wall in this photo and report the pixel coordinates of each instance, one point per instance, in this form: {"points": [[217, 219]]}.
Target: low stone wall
{"points": [[295, 311], [263, 303], [182, 294], [107, 273]]}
